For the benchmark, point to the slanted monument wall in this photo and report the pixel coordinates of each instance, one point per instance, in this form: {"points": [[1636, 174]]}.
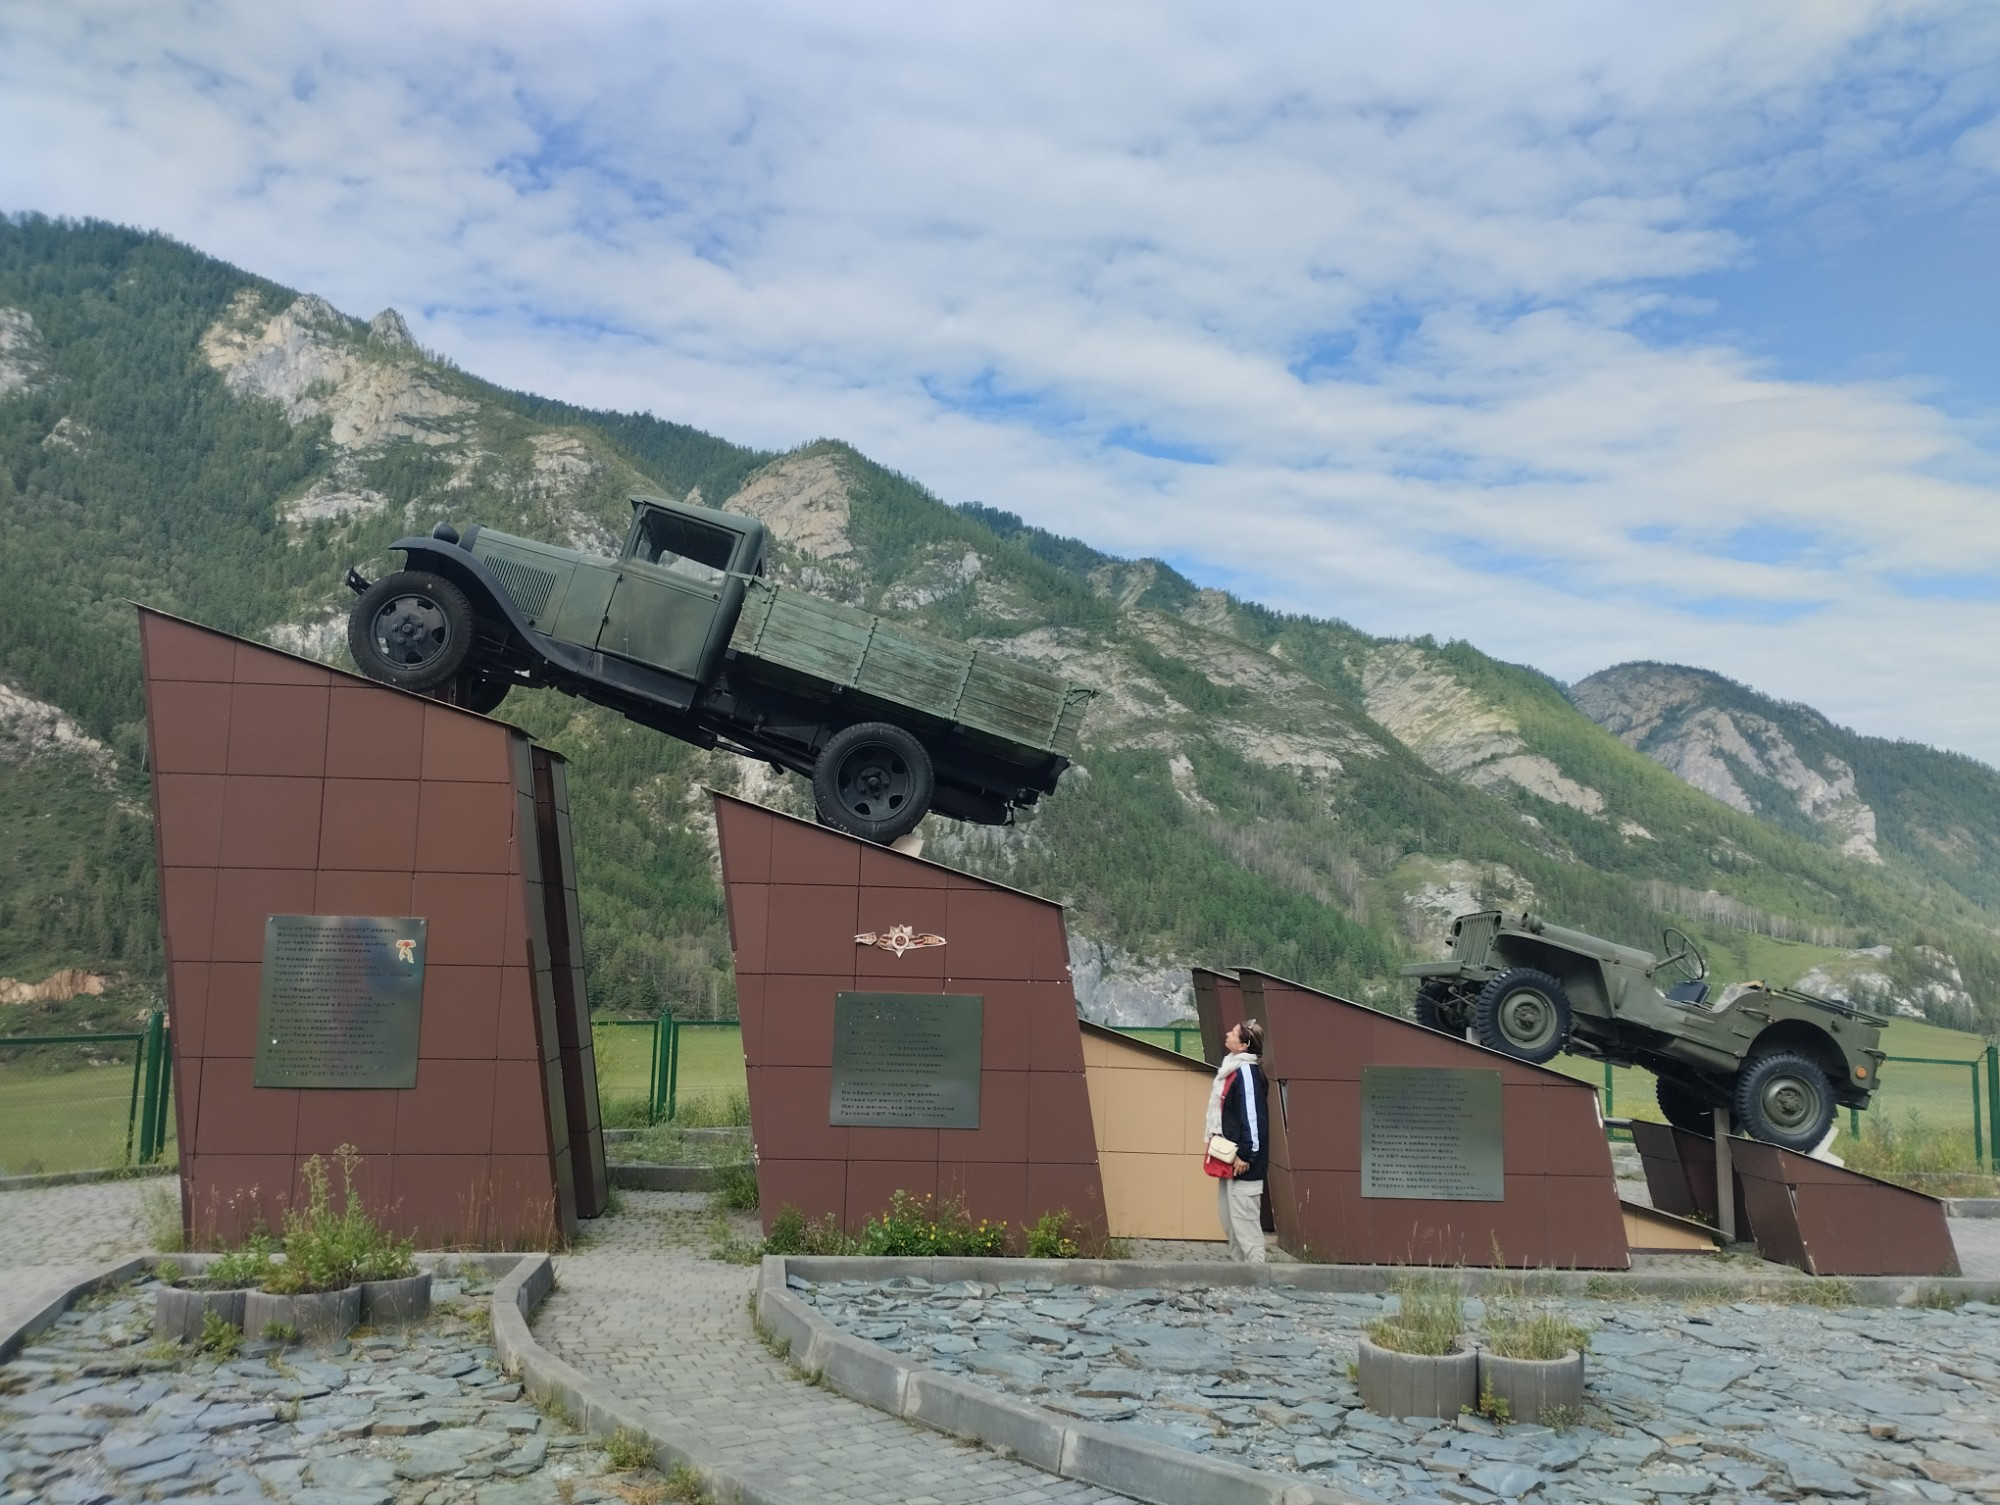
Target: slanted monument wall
{"points": [[282, 787]]}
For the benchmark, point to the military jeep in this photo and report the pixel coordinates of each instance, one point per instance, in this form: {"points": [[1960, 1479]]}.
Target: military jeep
{"points": [[1780, 1061]]}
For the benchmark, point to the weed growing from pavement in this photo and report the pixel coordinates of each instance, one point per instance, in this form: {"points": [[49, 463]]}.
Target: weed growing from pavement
{"points": [[219, 1336], [159, 1218], [736, 1187], [684, 1486], [628, 1450], [1430, 1316]]}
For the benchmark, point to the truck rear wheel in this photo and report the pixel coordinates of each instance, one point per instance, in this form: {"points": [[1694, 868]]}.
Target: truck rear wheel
{"points": [[1523, 1013], [1784, 1099], [411, 629], [873, 780]]}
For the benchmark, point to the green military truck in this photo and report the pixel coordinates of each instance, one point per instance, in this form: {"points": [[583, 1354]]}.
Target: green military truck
{"points": [[1779, 1060], [682, 633]]}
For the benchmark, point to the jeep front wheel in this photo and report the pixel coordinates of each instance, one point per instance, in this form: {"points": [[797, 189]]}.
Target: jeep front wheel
{"points": [[1523, 1013], [1784, 1099], [873, 780], [411, 630]]}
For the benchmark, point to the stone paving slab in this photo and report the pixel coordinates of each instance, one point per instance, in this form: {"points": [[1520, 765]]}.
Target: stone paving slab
{"points": [[643, 1309], [1723, 1400]]}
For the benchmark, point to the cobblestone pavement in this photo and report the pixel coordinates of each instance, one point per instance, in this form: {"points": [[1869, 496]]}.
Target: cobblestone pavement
{"points": [[79, 1225], [93, 1413], [1739, 1402], [642, 1308]]}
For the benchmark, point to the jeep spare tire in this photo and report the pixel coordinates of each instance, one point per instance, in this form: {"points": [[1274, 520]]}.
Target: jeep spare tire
{"points": [[1784, 1099], [412, 630], [873, 780], [1523, 1013]]}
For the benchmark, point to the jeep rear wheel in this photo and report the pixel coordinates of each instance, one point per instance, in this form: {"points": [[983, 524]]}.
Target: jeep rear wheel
{"points": [[411, 630], [1784, 1099], [1686, 1107], [874, 781], [1523, 1013]]}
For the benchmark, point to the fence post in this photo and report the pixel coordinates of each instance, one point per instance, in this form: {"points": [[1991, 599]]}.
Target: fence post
{"points": [[149, 1111], [1978, 1128], [163, 1099], [1993, 1105], [132, 1109], [673, 1065], [1610, 1101], [656, 1090]]}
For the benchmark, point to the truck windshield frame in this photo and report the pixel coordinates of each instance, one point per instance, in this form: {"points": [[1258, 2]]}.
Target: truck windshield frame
{"points": [[684, 546]]}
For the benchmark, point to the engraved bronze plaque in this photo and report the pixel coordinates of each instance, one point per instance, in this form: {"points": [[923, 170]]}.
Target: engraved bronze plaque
{"points": [[341, 1002], [906, 1060], [1431, 1133]]}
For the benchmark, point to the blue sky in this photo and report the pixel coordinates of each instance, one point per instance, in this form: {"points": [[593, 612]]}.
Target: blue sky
{"points": [[1587, 333]]}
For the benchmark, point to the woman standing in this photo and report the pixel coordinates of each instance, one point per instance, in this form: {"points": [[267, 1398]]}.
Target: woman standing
{"points": [[1238, 1110]]}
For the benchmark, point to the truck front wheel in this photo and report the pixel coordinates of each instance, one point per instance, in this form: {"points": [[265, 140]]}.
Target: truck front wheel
{"points": [[411, 629], [873, 780], [1784, 1099]]}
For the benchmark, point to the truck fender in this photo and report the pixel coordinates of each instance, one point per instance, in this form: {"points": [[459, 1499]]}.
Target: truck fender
{"points": [[488, 596]]}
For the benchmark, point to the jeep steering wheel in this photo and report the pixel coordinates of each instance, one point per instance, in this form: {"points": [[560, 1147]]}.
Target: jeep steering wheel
{"points": [[1683, 953]]}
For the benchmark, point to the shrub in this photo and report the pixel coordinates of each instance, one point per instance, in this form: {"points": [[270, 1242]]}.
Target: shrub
{"points": [[1050, 1236], [791, 1233], [219, 1336], [1429, 1319], [923, 1225], [736, 1187], [1516, 1331], [329, 1251], [249, 1266]]}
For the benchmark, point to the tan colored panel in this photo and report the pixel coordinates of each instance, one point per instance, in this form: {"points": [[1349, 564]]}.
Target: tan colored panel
{"points": [[1154, 1196], [1648, 1232], [1148, 1115], [1097, 1082]]}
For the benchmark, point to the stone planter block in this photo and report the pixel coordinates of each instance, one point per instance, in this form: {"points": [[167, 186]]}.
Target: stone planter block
{"points": [[179, 1313], [1413, 1384], [1533, 1387], [318, 1318], [387, 1301]]}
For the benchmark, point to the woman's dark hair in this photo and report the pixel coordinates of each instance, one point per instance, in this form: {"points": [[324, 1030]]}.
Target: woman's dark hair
{"points": [[1253, 1036]]}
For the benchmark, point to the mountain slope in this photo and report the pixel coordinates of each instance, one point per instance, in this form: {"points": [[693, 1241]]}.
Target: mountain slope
{"points": [[1254, 787]]}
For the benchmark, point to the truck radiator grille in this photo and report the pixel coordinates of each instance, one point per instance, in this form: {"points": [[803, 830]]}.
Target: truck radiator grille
{"points": [[528, 586]]}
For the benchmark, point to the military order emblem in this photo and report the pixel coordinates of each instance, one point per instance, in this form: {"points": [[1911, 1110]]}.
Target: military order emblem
{"points": [[898, 938]]}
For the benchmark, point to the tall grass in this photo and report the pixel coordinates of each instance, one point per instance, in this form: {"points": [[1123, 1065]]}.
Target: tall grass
{"points": [[1429, 1318], [1913, 1151]]}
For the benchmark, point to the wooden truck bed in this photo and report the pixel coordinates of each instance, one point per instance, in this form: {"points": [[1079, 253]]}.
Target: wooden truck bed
{"points": [[801, 641]]}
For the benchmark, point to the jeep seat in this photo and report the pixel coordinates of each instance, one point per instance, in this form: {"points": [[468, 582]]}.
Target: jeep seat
{"points": [[1693, 994]]}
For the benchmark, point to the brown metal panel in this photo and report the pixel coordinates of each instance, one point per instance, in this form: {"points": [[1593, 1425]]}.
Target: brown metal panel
{"points": [[351, 893], [246, 897], [1666, 1176], [449, 1111], [467, 914], [173, 650], [189, 810], [259, 665], [230, 1026], [563, 929], [330, 1118], [465, 748], [1828, 1220], [370, 735], [922, 909], [1218, 1005], [369, 824], [464, 828], [801, 854], [278, 729], [190, 727], [462, 1009], [1003, 1122], [271, 823], [238, 1118]]}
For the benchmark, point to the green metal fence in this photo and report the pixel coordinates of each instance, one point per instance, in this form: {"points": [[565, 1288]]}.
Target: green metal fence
{"points": [[86, 1101], [669, 1070], [1930, 1115]]}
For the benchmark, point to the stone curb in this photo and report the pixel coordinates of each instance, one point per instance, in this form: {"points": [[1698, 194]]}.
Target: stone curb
{"points": [[84, 1178], [621, 1136], [667, 1177], [591, 1406], [1172, 1275], [27, 1312], [1097, 1455], [1972, 1207]]}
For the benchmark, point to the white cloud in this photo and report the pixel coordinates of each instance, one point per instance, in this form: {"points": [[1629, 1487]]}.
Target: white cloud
{"points": [[1391, 269]]}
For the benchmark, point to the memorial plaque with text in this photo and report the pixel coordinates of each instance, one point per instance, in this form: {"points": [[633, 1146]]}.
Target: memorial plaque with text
{"points": [[341, 1003], [1431, 1133], [906, 1060]]}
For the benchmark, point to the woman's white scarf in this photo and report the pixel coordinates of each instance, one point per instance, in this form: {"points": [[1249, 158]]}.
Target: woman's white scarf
{"points": [[1212, 1123]]}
